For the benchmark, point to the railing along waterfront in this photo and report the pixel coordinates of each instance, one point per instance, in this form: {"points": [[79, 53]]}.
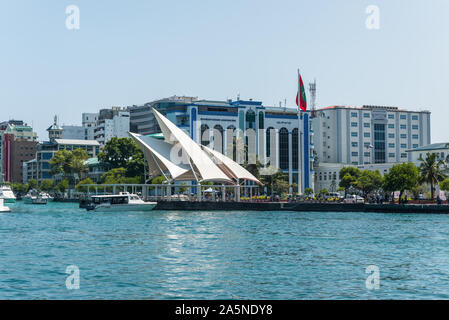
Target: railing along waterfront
{"points": [[179, 192]]}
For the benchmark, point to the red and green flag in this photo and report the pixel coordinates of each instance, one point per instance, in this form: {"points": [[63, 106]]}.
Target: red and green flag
{"points": [[301, 101]]}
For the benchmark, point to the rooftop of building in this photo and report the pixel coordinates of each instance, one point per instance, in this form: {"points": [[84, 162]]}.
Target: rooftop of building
{"points": [[431, 147], [371, 107], [77, 142]]}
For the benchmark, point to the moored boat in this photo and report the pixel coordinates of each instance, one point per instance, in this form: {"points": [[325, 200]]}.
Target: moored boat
{"points": [[6, 194], [35, 197], [122, 202]]}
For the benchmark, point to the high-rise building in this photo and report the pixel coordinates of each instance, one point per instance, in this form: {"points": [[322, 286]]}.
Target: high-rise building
{"points": [[17, 145], [368, 137], [113, 122], [369, 134]]}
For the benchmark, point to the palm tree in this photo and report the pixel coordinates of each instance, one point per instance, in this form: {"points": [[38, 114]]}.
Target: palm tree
{"points": [[431, 170]]}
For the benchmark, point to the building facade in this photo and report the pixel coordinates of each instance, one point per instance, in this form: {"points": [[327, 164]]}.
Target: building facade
{"points": [[39, 168], [368, 137], [111, 123], [369, 134], [17, 145], [243, 130]]}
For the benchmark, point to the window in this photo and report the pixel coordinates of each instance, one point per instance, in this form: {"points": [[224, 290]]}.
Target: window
{"points": [[367, 144], [415, 146], [403, 145], [391, 155], [367, 134], [403, 155], [403, 117], [390, 116], [355, 154], [391, 135], [366, 125], [403, 126], [391, 145], [414, 117], [366, 115], [391, 126], [355, 144], [415, 136], [379, 143], [367, 154], [353, 124], [353, 114], [295, 143], [415, 127], [283, 149], [354, 134], [403, 136]]}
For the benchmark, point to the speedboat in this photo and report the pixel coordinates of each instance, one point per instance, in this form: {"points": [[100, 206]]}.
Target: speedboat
{"points": [[123, 201], [2, 207], [35, 197], [6, 194]]}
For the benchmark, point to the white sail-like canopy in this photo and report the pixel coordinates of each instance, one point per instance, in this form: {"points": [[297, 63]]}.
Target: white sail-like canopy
{"points": [[183, 159], [230, 166]]}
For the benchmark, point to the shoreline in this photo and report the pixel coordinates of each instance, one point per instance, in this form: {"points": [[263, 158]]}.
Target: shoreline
{"points": [[301, 207]]}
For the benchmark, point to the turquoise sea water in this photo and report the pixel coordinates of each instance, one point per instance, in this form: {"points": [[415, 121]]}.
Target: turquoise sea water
{"points": [[221, 255]]}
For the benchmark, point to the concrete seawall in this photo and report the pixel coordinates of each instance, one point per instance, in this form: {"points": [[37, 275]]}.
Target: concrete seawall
{"points": [[300, 207]]}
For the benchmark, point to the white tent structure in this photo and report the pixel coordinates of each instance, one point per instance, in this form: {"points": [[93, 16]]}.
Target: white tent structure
{"points": [[179, 158]]}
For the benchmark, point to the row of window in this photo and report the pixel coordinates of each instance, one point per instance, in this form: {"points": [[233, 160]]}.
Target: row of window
{"points": [[390, 126], [368, 154], [390, 116], [390, 135]]}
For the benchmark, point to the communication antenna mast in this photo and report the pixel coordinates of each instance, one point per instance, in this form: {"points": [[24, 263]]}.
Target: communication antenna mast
{"points": [[312, 90]]}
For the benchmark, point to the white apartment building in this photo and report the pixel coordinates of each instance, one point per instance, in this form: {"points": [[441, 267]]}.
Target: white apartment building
{"points": [[369, 137], [369, 134], [112, 122], [89, 121]]}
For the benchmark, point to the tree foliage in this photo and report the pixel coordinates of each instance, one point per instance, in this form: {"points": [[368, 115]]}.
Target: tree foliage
{"points": [[69, 163], [401, 177], [368, 181], [47, 185], [431, 170]]}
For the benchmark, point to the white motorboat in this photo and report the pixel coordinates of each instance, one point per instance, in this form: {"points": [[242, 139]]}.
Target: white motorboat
{"points": [[3, 208], [122, 202], [35, 197], [6, 194]]}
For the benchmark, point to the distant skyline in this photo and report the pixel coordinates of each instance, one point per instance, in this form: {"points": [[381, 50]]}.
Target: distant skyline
{"points": [[134, 52]]}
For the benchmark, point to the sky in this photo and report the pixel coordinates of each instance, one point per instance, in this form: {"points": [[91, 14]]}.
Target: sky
{"points": [[132, 52]]}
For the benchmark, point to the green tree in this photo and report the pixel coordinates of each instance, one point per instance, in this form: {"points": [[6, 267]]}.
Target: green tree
{"points": [[62, 186], [32, 184], [431, 170], [368, 181], [19, 188], [47, 185], [348, 177], [80, 186], [403, 176], [444, 185], [69, 163], [114, 176], [119, 151]]}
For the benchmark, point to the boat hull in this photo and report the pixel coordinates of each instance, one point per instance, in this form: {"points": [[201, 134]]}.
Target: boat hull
{"points": [[124, 207], [9, 200]]}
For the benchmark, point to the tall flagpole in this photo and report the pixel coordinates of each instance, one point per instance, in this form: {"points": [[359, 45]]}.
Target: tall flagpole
{"points": [[300, 146]]}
